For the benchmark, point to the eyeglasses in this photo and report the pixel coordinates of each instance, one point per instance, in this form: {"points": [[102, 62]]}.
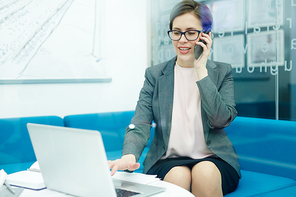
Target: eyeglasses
{"points": [[190, 35]]}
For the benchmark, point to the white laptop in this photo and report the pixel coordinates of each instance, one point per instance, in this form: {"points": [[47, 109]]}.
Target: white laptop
{"points": [[74, 161]]}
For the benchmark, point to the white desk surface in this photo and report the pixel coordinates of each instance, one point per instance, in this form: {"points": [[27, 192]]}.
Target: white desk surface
{"points": [[171, 189]]}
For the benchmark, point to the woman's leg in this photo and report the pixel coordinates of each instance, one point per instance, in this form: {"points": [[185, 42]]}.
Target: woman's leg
{"points": [[206, 180], [179, 175]]}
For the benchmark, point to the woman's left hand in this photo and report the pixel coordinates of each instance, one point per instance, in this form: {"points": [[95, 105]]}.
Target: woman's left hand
{"points": [[200, 63]]}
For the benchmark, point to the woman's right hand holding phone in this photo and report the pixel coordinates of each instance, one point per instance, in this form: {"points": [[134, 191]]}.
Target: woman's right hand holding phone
{"points": [[205, 43]]}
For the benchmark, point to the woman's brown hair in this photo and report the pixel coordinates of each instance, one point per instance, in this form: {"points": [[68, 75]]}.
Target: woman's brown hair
{"points": [[200, 10]]}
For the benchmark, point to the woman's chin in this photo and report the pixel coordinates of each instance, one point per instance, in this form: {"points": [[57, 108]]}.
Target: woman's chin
{"points": [[185, 58]]}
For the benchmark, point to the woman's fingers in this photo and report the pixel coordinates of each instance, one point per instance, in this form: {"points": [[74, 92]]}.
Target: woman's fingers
{"points": [[121, 164], [114, 169], [134, 167]]}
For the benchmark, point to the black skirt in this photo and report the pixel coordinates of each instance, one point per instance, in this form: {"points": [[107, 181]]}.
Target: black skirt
{"points": [[230, 178]]}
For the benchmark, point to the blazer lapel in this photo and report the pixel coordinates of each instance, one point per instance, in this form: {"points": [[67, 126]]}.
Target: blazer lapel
{"points": [[212, 73], [166, 96]]}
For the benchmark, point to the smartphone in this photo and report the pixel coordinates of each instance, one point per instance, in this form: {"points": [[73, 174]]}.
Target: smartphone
{"points": [[198, 50]]}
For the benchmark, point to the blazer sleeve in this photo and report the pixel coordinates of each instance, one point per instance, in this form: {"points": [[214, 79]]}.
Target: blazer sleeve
{"points": [[136, 137], [217, 97]]}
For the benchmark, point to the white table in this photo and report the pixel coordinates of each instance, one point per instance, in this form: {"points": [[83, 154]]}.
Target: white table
{"points": [[171, 189]]}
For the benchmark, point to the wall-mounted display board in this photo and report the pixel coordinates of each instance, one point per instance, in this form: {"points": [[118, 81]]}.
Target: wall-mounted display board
{"points": [[56, 41]]}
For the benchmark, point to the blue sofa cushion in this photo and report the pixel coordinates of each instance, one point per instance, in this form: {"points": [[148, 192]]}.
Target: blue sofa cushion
{"points": [[256, 184], [15, 143], [264, 145]]}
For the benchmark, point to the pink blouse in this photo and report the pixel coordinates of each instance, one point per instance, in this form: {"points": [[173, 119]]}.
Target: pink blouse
{"points": [[187, 135]]}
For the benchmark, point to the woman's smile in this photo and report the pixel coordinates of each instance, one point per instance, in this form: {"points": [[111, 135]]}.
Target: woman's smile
{"points": [[184, 50]]}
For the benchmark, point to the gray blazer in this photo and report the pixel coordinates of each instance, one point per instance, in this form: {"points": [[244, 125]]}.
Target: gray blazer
{"points": [[156, 103]]}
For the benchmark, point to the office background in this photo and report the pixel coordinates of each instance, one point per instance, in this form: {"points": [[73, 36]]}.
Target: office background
{"points": [[134, 37]]}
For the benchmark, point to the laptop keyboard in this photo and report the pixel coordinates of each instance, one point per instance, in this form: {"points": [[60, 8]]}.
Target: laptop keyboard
{"points": [[125, 193]]}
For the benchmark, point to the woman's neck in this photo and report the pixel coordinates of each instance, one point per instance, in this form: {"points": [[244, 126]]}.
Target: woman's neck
{"points": [[185, 64]]}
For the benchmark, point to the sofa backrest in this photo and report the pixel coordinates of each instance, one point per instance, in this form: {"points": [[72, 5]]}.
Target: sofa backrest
{"points": [[15, 143], [111, 125], [265, 145]]}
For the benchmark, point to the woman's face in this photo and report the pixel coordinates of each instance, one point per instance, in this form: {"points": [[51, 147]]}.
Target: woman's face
{"points": [[183, 47]]}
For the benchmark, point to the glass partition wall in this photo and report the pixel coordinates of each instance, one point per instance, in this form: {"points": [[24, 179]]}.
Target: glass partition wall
{"points": [[258, 39]]}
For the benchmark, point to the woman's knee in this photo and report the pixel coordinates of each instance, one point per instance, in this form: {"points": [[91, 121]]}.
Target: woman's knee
{"points": [[206, 179], [179, 175], [206, 170]]}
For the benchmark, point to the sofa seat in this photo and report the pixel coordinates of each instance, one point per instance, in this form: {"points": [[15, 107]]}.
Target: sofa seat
{"points": [[287, 192], [257, 184]]}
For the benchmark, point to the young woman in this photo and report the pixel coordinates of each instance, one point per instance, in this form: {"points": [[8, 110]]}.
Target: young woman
{"points": [[191, 101]]}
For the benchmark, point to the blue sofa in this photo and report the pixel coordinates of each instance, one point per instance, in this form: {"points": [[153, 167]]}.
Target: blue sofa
{"points": [[265, 147]]}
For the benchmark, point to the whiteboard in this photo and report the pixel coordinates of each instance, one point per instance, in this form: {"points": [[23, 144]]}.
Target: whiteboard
{"points": [[51, 41]]}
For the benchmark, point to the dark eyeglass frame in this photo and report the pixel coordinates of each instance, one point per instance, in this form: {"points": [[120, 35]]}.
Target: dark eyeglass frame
{"points": [[183, 33]]}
